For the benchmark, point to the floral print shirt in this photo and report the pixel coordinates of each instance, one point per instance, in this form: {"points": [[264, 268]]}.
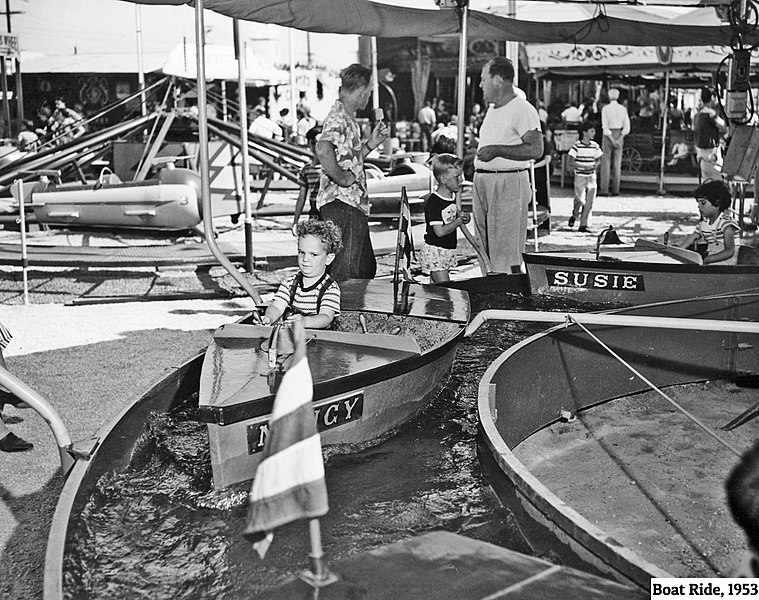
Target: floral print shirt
{"points": [[342, 131]]}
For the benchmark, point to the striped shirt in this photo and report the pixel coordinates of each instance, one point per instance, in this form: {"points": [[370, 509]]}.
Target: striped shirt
{"points": [[306, 299], [585, 156], [310, 177], [714, 235]]}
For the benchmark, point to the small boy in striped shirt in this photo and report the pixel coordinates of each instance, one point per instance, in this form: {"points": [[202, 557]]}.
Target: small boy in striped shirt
{"points": [[584, 158], [310, 295]]}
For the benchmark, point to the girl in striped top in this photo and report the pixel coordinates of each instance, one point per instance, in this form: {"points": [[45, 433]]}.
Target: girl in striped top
{"points": [[311, 294], [714, 237]]}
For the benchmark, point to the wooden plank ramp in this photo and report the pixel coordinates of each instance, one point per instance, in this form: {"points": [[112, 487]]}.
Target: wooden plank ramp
{"points": [[446, 566]]}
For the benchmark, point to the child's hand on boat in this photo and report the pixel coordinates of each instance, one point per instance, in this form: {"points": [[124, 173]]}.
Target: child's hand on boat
{"points": [[296, 331], [465, 217]]}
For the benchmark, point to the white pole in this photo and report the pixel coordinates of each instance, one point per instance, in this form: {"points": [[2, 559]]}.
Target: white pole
{"points": [[534, 204], [293, 116], [22, 224], [205, 179], [665, 114], [241, 53], [610, 319], [140, 65], [375, 78], [512, 48], [461, 109], [224, 106]]}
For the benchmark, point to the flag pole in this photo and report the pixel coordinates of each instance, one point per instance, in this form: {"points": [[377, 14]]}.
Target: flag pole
{"points": [[398, 239], [319, 576]]}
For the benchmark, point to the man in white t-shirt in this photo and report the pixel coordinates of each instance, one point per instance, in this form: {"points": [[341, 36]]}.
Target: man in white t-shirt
{"points": [[263, 126], [509, 138]]}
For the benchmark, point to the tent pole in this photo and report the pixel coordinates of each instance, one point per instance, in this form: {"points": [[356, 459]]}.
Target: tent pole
{"points": [[242, 97], [375, 77], [205, 179], [665, 114], [461, 94], [293, 108], [140, 64]]}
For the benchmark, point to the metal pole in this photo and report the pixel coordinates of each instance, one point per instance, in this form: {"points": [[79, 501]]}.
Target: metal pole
{"points": [[464, 17], [205, 179], [22, 224], [293, 116], [375, 80], [224, 106], [610, 319], [140, 64], [240, 54], [6, 102], [512, 48], [46, 411], [665, 114]]}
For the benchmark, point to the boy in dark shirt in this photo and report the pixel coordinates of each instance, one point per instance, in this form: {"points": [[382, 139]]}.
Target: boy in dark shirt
{"points": [[443, 218]]}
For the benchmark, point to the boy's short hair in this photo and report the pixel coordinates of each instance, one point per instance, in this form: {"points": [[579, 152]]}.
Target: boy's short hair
{"points": [[312, 133], [586, 125], [326, 231], [742, 487], [442, 162], [716, 192]]}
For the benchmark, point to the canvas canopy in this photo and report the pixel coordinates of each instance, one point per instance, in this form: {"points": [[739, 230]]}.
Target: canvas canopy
{"points": [[545, 22], [221, 64]]}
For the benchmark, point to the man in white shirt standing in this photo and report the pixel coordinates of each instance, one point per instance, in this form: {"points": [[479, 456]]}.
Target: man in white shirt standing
{"points": [[427, 121], [615, 123], [509, 138]]}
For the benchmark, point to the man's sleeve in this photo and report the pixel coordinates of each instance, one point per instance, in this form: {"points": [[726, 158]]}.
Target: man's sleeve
{"points": [[527, 119], [331, 131]]}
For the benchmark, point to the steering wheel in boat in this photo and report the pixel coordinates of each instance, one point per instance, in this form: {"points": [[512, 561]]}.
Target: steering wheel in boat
{"points": [[373, 171]]}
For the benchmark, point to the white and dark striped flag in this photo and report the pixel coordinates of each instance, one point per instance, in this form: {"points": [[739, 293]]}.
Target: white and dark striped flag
{"points": [[289, 482], [405, 244]]}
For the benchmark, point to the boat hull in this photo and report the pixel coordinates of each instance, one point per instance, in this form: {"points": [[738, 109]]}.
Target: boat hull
{"points": [[627, 282], [562, 370], [348, 421], [116, 441], [151, 205]]}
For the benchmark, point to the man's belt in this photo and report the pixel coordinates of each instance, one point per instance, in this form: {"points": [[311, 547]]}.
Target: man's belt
{"points": [[504, 171]]}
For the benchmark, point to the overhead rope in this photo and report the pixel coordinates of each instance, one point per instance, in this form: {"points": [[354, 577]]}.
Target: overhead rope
{"points": [[638, 374]]}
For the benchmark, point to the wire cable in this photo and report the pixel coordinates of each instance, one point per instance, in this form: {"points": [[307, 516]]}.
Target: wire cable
{"points": [[638, 374]]}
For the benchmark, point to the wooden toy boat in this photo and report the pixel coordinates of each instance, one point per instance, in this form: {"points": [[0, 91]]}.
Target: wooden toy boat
{"points": [[636, 274], [365, 384]]}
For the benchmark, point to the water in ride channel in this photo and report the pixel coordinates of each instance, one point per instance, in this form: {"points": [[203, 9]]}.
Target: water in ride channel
{"points": [[159, 530]]}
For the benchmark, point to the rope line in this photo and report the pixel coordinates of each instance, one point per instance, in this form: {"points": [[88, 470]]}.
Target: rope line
{"points": [[693, 418]]}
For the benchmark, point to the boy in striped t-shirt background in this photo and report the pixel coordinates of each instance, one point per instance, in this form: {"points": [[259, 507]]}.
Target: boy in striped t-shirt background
{"points": [[584, 158]]}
